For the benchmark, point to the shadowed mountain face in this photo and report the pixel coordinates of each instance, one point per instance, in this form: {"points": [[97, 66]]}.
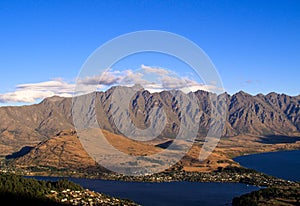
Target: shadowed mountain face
{"points": [[260, 115]]}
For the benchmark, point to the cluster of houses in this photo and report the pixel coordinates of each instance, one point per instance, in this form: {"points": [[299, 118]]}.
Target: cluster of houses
{"points": [[87, 198]]}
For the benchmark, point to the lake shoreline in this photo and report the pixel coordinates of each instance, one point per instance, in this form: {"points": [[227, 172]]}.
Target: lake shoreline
{"points": [[225, 175], [228, 174]]}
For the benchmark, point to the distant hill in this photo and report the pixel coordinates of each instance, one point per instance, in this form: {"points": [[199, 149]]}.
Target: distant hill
{"points": [[259, 115]]}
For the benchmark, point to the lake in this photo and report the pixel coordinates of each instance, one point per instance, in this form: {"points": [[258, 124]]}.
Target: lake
{"points": [[283, 164], [169, 193]]}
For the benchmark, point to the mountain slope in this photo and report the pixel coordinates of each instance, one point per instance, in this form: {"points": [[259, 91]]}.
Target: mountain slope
{"points": [[29, 125], [65, 151]]}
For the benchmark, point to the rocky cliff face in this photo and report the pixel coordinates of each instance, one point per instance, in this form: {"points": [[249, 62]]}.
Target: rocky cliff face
{"points": [[259, 115]]}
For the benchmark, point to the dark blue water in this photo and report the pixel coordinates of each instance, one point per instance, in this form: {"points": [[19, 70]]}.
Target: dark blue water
{"points": [[174, 193], [285, 164]]}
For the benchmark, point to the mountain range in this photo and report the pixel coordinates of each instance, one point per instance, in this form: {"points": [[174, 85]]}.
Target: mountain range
{"points": [[260, 115]]}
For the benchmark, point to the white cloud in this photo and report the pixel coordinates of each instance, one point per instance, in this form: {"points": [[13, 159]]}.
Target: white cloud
{"points": [[106, 78], [131, 77], [57, 85], [30, 93], [184, 84], [156, 70]]}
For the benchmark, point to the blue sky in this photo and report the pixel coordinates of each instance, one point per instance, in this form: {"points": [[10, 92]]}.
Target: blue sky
{"points": [[255, 45]]}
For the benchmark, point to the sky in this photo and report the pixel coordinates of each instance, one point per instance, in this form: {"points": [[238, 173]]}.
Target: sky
{"points": [[254, 45]]}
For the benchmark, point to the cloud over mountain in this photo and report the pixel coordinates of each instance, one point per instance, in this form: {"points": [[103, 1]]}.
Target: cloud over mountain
{"points": [[153, 79]]}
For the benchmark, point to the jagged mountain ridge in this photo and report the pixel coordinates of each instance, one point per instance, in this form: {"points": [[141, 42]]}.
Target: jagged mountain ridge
{"points": [[259, 115]]}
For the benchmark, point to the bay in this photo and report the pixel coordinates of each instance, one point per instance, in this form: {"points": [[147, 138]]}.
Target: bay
{"points": [[282, 164]]}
